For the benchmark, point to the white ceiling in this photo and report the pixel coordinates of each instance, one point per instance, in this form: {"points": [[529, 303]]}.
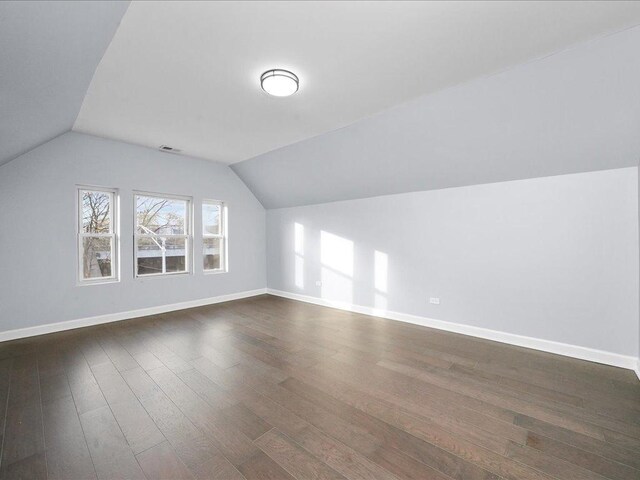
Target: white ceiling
{"points": [[186, 74], [48, 54], [576, 111]]}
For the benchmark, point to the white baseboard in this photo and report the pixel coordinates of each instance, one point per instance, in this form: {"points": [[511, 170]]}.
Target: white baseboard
{"points": [[575, 351], [115, 317], [565, 349]]}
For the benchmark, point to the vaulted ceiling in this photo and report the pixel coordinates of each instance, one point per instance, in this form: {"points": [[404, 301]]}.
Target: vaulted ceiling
{"points": [[186, 74], [575, 111], [48, 54], [481, 91]]}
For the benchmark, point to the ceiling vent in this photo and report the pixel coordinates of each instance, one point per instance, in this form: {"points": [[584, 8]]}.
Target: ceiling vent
{"points": [[168, 149]]}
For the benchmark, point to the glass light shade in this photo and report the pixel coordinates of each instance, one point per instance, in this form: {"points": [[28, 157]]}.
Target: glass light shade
{"points": [[279, 83]]}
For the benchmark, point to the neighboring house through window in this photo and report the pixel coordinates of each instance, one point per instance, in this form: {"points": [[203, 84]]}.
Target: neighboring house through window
{"points": [[162, 234]]}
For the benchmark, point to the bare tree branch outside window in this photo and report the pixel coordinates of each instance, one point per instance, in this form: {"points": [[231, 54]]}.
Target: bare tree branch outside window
{"points": [[96, 219], [161, 234]]}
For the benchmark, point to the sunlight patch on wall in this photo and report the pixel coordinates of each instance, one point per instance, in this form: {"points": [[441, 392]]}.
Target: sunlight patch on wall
{"points": [[381, 278], [298, 242], [336, 253], [336, 257]]}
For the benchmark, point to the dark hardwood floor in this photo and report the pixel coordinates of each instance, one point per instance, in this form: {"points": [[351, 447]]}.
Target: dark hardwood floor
{"points": [[269, 388]]}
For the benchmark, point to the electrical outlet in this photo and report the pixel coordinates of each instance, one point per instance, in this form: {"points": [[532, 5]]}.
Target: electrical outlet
{"points": [[318, 283], [434, 300]]}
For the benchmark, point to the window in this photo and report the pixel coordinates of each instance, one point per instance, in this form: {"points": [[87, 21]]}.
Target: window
{"points": [[162, 234], [214, 236], [97, 235]]}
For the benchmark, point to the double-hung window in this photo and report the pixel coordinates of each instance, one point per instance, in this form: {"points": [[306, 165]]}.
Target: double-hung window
{"points": [[214, 236], [97, 235], [162, 234]]}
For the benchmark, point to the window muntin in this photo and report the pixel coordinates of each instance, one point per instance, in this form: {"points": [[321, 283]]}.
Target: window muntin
{"points": [[162, 234], [97, 235], [214, 236]]}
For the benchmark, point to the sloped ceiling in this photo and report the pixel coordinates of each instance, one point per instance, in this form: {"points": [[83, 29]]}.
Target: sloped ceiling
{"points": [[575, 111], [395, 96], [48, 54], [186, 73]]}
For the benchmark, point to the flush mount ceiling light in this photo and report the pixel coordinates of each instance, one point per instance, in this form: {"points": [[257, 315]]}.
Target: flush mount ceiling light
{"points": [[279, 83]]}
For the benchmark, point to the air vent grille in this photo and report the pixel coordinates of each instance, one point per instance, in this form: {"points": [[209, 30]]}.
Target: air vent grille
{"points": [[168, 149]]}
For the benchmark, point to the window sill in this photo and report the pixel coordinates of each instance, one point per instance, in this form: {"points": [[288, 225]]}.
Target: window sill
{"points": [[215, 272], [88, 283], [161, 275]]}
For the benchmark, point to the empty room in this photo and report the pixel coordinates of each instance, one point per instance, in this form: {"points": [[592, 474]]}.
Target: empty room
{"points": [[319, 240]]}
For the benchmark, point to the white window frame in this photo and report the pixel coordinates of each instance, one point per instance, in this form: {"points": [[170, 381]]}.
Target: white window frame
{"points": [[222, 236], [113, 234], [188, 235]]}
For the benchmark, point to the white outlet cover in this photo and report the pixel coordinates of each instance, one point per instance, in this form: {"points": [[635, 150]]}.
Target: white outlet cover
{"points": [[434, 300], [318, 283]]}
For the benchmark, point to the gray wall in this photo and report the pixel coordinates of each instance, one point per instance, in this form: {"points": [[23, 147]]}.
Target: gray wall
{"points": [[50, 51], [38, 225], [575, 111], [554, 258]]}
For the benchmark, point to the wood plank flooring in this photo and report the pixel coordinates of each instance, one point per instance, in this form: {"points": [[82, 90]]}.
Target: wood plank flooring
{"points": [[268, 388]]}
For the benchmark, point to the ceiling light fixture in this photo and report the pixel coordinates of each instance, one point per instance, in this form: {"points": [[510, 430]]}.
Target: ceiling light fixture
{"points": [[279, 83]]}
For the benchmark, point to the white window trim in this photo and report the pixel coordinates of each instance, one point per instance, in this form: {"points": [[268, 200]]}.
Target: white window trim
{"points": [[224, 267], [113, 234], [188, 235]]}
